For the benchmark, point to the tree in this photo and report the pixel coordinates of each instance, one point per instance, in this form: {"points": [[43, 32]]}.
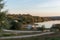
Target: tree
{"points": [[15, 25], [43, 28], [3, 18], [55, 27], [1, 5]]}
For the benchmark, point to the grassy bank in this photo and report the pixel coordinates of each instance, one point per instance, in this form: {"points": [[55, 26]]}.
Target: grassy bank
{"points": [[36, 38], [55, 36], [5, 34]]}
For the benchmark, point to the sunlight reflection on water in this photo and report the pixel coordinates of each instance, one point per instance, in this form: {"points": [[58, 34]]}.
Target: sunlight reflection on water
{"points": [[48, 24]]}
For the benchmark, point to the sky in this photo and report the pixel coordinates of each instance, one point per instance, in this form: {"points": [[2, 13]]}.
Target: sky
{"points": [[34, 7]]}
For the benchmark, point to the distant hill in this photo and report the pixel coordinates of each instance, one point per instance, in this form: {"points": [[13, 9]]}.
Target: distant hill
{"points": [[54, 18]]}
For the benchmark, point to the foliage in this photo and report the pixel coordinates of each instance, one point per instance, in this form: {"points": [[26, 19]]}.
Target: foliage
{"points": [[24, 19], [15, 25], [3, 18], [55, 27], [42, 28]]}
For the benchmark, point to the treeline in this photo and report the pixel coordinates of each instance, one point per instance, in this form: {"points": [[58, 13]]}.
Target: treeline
{"points": [[27, 18], [17, 21]]}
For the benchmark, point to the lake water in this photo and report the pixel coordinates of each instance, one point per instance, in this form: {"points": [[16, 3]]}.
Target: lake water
{"points": [[48, 24]]}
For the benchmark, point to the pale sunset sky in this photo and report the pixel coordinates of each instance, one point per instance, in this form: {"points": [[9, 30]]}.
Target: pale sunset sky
{"points": [[34, 7]]}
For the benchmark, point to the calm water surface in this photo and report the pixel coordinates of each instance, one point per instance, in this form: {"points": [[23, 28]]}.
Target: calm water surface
{"points": [[48, 24]]}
